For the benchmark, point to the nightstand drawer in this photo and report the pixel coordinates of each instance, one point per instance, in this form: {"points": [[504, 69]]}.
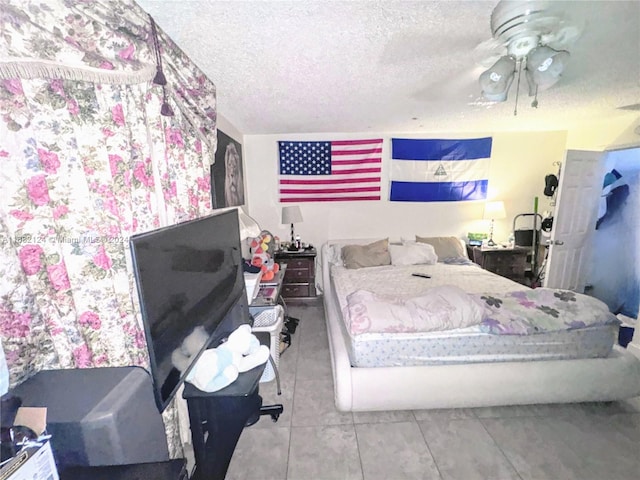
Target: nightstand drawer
{"points": [[504, 260], [298, 290], [292, 275], [303, 263]]}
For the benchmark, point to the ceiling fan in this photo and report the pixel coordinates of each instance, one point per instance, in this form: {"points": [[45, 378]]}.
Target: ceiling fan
{"points": [[533, 35]]}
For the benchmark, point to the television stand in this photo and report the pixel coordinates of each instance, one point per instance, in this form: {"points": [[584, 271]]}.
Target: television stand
{"points": [[218, 418]]}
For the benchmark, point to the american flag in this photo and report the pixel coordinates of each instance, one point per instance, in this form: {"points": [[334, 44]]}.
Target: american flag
{"points": [[342, 170]]}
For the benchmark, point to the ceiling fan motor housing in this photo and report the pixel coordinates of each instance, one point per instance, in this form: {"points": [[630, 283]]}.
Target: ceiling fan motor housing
{"points": [[519, 24], [531, 34]]}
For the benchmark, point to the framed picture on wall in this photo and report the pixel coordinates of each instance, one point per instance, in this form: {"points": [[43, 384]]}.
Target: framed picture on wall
{"points": [[227, 179]]}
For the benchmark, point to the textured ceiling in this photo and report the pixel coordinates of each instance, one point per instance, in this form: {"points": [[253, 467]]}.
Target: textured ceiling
{"points": [[392, 65]]}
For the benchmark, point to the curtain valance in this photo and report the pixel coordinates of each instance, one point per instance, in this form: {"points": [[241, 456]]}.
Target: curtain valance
{"points": [[103, 42], [98, 41]]}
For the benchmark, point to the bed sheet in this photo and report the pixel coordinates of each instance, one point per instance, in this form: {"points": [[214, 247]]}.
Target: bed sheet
{"points": [[463, 345]]}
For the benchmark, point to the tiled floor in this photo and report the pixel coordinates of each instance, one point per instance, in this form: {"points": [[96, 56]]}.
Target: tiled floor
{"points": [[314, 441]]}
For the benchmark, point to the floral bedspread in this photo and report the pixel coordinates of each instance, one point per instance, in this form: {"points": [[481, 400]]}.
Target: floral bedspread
{"points": [[542, 310]]}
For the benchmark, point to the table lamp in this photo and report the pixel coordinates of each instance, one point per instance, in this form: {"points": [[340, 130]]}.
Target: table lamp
{"points": [[291, 214], [493, 211]]}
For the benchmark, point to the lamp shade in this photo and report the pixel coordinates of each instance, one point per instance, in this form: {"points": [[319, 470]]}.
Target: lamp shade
{"points": [[494, 211], [496, 81], [249, 228], [544, 68], [291, 214]]}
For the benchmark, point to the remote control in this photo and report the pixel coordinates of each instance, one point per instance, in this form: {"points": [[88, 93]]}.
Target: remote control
{"points": [[423, 275]]}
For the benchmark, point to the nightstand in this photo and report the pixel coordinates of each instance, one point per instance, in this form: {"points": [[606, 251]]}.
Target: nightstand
{"points": [[300, 276], [506, 262]]}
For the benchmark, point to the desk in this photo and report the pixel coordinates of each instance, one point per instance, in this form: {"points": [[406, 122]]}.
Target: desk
{"points": [[218, 418], [269, 291]]}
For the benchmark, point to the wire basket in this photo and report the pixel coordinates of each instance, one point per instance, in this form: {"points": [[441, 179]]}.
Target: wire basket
{"points": [[270, 320]]}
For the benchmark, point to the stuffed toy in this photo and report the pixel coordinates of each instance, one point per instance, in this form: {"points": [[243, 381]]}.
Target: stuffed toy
{"points": [[219, 367], [262, 249]]}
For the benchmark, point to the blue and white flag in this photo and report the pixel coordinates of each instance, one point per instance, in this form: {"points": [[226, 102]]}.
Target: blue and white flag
{"points": [[439, 170]]}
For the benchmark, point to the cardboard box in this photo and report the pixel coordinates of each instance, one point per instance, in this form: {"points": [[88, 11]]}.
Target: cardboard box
{"points": [[32, 463]]}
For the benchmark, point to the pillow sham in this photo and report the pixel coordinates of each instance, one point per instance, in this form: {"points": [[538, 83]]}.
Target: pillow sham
{"points": [[412, 253], [445, 247], [370, 255], [334, 254]]}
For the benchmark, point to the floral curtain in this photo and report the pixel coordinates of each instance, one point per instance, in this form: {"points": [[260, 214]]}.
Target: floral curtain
{"points": [[86, 161]]}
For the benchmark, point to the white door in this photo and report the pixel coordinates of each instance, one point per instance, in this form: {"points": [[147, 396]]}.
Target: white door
{"points": [[574, 220]]}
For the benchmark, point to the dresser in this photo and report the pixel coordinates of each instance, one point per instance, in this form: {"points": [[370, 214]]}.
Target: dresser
{"points": [[511, 263], [300, 275]]}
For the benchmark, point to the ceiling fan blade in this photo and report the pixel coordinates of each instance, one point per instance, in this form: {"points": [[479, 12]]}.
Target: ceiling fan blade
{"points": [[562, 38], [450, 88], [489, 52]]}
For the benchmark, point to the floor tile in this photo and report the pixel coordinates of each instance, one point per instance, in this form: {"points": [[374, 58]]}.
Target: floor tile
{"points": [[387, 416], [314, 363], [631, 405], [260, 455], [315, 339], [394, 451], [314, 404], [580, 447], [463, 450], [269, 394], [444, 414], [609, 408], [324, 453], [537, 410]]}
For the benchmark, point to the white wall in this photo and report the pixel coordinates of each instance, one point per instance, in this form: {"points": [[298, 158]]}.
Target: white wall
{"points": [[519, 164], [599, 135]]}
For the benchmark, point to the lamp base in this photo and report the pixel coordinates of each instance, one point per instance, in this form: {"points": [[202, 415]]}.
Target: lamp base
{"points": [[491, 243]]}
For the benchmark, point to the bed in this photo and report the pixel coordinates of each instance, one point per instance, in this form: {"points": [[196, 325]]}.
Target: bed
{"points": [[395, 367]]}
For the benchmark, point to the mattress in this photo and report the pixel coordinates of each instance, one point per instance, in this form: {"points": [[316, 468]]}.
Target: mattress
{"points": [[465, 345]]}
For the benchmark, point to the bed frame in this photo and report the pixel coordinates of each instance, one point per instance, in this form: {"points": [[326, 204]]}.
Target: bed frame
{"points": [[470, 385]]}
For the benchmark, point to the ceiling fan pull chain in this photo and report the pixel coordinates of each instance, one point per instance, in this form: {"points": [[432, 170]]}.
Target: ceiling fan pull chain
{"points": [[515, 110], [534, 104]]}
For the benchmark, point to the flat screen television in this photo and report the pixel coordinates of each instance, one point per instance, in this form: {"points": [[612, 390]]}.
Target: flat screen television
{"points": [[188, 275]]}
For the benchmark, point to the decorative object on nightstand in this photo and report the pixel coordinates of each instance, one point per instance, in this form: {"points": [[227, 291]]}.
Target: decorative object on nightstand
{"points": [[292, 214], [493, 211]]}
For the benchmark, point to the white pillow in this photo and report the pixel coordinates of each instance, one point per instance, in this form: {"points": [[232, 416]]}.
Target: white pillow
{"points": [[412, 253], [334, 254]]}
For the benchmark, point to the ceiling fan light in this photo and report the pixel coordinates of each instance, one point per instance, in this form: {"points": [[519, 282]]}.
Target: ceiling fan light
{"points": [[495, 81], [544, 68]]}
